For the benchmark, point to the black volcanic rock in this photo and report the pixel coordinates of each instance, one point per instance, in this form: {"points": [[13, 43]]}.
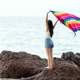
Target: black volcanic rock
{"points": [[19, 64], [72, 57], [24, 66]]}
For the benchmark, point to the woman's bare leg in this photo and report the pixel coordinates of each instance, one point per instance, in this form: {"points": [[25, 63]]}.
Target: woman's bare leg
{"points": [[50, 58], [52, 65], [47, 51]]}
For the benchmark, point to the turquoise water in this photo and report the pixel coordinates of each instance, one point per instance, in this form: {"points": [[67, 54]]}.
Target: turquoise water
{"points": [[27, 34]]}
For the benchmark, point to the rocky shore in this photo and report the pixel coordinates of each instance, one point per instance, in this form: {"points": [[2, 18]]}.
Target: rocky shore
{"points": [[25, 66]]}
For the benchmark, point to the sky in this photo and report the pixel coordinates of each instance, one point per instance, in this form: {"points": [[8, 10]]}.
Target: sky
{"points": [[37, 7]]}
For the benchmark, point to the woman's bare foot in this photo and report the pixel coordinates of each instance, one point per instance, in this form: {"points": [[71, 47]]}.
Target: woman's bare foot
{"points": [[52, 66], [48, 67]]}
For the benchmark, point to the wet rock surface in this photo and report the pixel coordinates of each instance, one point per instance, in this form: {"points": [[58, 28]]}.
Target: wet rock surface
{"points": [[25, 66]]}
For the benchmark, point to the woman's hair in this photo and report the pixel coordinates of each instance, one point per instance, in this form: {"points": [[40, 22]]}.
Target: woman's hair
{"points": [[50, 26]]}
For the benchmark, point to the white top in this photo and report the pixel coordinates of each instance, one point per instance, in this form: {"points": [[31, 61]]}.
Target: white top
{"points": [[47, 33]]}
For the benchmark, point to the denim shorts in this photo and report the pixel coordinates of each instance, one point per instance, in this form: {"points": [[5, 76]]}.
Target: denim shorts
{"points": [[48, 43]]}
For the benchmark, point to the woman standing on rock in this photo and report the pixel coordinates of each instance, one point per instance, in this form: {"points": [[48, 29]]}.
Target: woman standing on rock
{"points": [[49, 43]]}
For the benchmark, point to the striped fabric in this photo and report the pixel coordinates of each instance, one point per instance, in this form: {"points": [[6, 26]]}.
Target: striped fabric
{"points": [[70, 20]]}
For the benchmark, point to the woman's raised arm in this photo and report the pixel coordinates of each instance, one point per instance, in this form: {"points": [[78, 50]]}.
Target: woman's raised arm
{"points": [[47, 22], [55, 23]]}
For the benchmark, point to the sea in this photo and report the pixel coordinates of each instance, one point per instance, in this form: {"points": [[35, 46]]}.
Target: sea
{"points": [[27, 33]]}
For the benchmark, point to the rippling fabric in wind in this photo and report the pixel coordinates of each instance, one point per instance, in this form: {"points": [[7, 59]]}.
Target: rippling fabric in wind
{"points": [[70, 20]]}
